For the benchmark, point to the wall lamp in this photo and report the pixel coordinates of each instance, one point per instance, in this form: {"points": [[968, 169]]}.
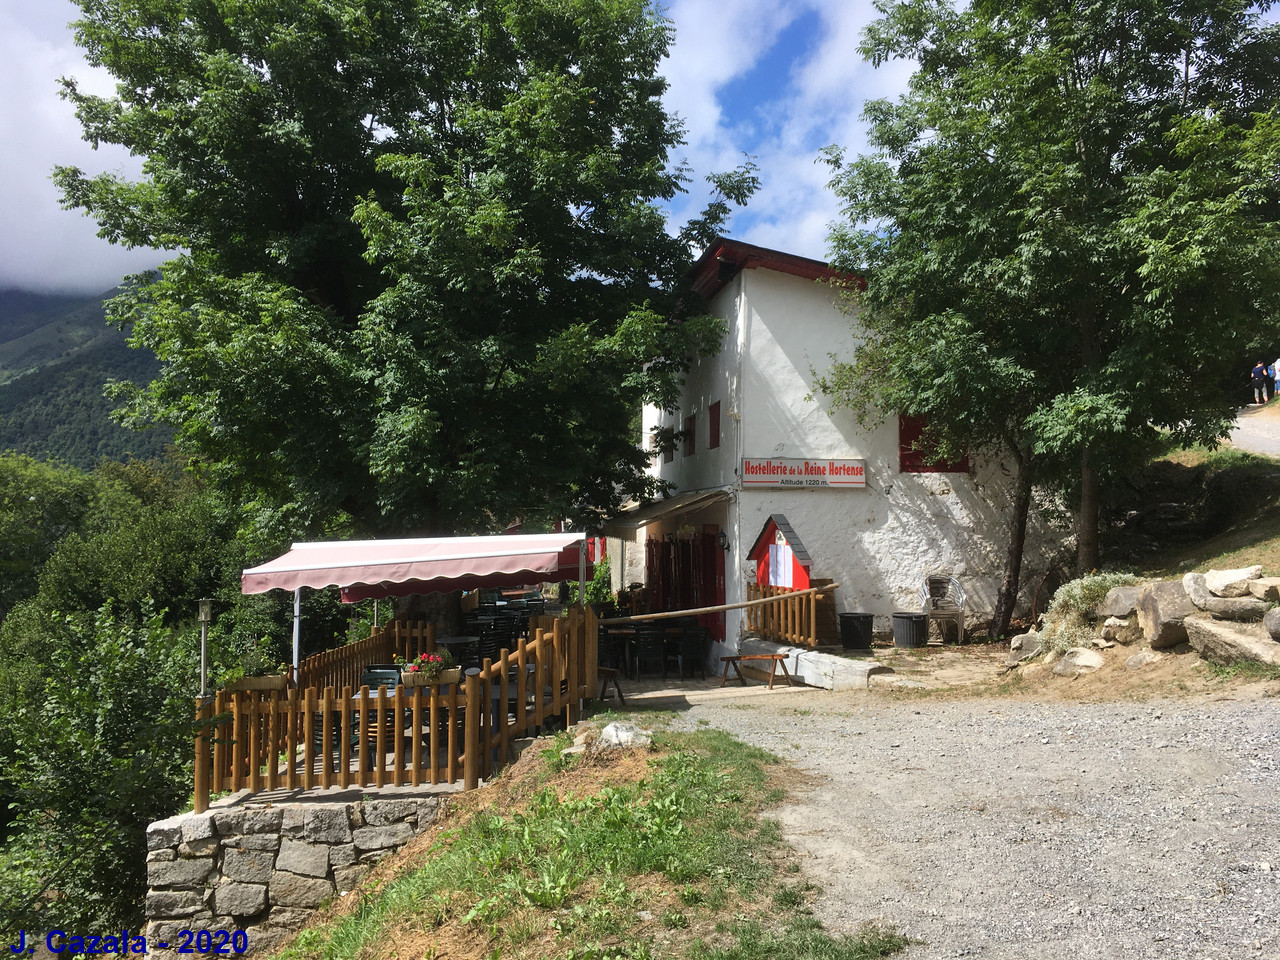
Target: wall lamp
{"points": [[723, 540]]}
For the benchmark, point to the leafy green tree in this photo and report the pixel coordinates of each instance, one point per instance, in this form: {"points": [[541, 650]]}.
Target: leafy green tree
{"points": [[426, 281], [1068, 231], [40, 503], [104, 749]]}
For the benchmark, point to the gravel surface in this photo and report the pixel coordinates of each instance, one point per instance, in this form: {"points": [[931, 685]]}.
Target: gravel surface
{"points": [[1257, 429], [1003, 828]]}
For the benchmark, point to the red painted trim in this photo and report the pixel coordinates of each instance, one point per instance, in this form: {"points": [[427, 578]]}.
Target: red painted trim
{"points": [[733, 256]]}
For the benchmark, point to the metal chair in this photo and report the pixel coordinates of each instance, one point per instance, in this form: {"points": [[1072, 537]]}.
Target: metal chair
{"points": [[693, 650], [650, 645], [942, 598]]}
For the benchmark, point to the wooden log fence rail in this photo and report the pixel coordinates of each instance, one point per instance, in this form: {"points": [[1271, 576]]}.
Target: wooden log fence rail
{"points": [[339, 735], [792, 618]]}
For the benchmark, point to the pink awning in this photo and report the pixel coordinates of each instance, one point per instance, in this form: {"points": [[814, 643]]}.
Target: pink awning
{"points": [[365, 569]]}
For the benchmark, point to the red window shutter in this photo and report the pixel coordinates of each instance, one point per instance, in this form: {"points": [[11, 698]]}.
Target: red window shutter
{"points": [[713, 423], [690, 434], [913, 460]]}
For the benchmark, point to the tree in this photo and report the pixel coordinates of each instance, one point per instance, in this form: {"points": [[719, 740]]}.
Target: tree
{"points": [[1068, 234], [425, 280]]}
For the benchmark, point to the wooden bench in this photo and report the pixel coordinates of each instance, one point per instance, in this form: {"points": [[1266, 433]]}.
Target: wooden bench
{"points": [[775, 660], [610, 675]]}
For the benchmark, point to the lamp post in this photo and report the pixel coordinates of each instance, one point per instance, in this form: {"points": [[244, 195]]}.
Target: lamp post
{"points": [[206, 615]]}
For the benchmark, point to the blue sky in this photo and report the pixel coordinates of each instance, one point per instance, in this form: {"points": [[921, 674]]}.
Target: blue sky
{"points": [[776, 80]]}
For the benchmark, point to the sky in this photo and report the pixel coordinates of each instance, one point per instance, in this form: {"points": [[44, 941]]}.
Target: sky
{"points": [[774, 79]]}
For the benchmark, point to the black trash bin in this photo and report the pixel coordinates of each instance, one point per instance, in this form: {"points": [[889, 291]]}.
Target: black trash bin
{"points": [[855, 631], [910, 629]]}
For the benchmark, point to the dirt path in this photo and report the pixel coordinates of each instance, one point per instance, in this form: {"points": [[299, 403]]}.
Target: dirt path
{"points": [[1025, 824]]}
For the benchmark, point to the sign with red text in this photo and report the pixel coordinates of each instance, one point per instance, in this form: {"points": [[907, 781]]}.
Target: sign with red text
{"points": [[780, 472]]}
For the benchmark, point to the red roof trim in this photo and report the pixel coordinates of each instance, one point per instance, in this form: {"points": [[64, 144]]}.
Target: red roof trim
{"points": [[724, 259]]}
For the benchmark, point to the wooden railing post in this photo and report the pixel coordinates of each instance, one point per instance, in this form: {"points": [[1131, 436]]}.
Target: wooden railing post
{"points": [[471, 748]]}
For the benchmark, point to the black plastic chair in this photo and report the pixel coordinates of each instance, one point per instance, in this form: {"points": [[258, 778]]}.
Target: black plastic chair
{"points": [[693, 650], [611, 650], [650, 645]]}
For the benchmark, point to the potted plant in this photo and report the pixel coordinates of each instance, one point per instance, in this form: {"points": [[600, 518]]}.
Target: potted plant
{"points": [[275, 681], [428, 669]]}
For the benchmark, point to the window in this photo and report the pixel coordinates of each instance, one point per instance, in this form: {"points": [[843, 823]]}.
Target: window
{"points": [[690, 434], [713, 424], [913, 460]]}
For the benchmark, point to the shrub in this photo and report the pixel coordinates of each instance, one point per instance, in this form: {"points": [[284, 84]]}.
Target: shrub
{"points": [[1069, 621]]}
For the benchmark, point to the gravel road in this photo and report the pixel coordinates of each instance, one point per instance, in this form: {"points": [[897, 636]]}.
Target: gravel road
{"points": [[1257, 429], [1017, 830]]}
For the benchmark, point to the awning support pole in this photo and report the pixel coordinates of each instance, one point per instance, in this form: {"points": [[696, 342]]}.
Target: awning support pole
{"points": [[582, 572], [297, 620]]}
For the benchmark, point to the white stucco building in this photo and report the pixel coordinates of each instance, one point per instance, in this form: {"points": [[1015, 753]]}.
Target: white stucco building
{"points": [[869, 514]]}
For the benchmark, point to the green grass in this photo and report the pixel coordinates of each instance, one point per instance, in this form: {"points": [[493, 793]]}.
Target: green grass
{"points": [[686, 844], [1242, 670]]}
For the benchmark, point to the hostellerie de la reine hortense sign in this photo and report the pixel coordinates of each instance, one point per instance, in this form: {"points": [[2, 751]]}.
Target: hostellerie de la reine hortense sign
{"points": [[779, 472]]}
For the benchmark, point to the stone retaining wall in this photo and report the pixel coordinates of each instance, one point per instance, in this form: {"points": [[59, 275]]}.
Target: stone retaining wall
{"points": [[265, 869]]}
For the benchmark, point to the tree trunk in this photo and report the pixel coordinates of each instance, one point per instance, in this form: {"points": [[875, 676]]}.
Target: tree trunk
{"points": [[1087, 518], [1007, 598]]}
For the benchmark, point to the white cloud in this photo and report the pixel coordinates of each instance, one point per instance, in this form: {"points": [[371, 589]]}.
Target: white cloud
{"points": [[818, 103], [43, 246]]}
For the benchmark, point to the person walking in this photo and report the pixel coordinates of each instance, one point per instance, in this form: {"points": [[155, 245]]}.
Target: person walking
{"points": [[1259, 382]]}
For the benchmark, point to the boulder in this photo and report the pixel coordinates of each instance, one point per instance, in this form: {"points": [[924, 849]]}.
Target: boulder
{"points": [[1224, 642], [620, 735], [1231, 583], [1227, 608], [248, 866], [1078, 660], [1271, 621], [379, 838], [1120, 630], [1142, 658], [1024, 647], [327, 824], [1161, 609], [1265, 588], [1119, 602]]}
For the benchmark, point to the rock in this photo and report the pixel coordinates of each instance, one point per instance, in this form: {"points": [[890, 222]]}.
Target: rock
{"points": [[198, 848], [1271, 621], [239, 900], [1120, 602], [248, 866], [348, 877], [308, 859], [164, 833], [165, 854], [292, 820], [342, 855], [1024, 647], [1142, 658], [379, 838], [1161, 609], [327, 824], [254, 841], [428, 811], [290, 918], [1052, 657], [174, 904], [228, 822], [1102, 643], [1224, 642], [179, 873], [1078, 660], [1265, 588], [380, 813], [262, 820], [1122, 630], [290, 890], [621, 735], [1231, 583], [1228, 608], [265, 937], [198, 827], [574, 750]]}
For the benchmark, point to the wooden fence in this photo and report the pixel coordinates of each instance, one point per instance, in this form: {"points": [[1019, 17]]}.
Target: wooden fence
{"points": [[792, 618], [342, 667], [337, 736]]}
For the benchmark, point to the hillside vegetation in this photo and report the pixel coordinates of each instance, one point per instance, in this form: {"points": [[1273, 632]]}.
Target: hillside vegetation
{"points": [[56, 355]]}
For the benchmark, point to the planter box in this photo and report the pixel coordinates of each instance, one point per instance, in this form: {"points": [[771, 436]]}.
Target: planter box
{"points": [[420, 679], [258, 683]]}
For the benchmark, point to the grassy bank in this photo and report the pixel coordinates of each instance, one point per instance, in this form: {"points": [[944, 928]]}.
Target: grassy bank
{"points": [[620, 856]]}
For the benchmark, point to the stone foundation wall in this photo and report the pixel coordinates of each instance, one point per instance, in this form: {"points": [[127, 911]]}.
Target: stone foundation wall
{"points": [[266, 869]]}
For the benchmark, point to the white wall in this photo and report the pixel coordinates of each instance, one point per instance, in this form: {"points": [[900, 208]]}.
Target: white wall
{"points": [[877, 542]]}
